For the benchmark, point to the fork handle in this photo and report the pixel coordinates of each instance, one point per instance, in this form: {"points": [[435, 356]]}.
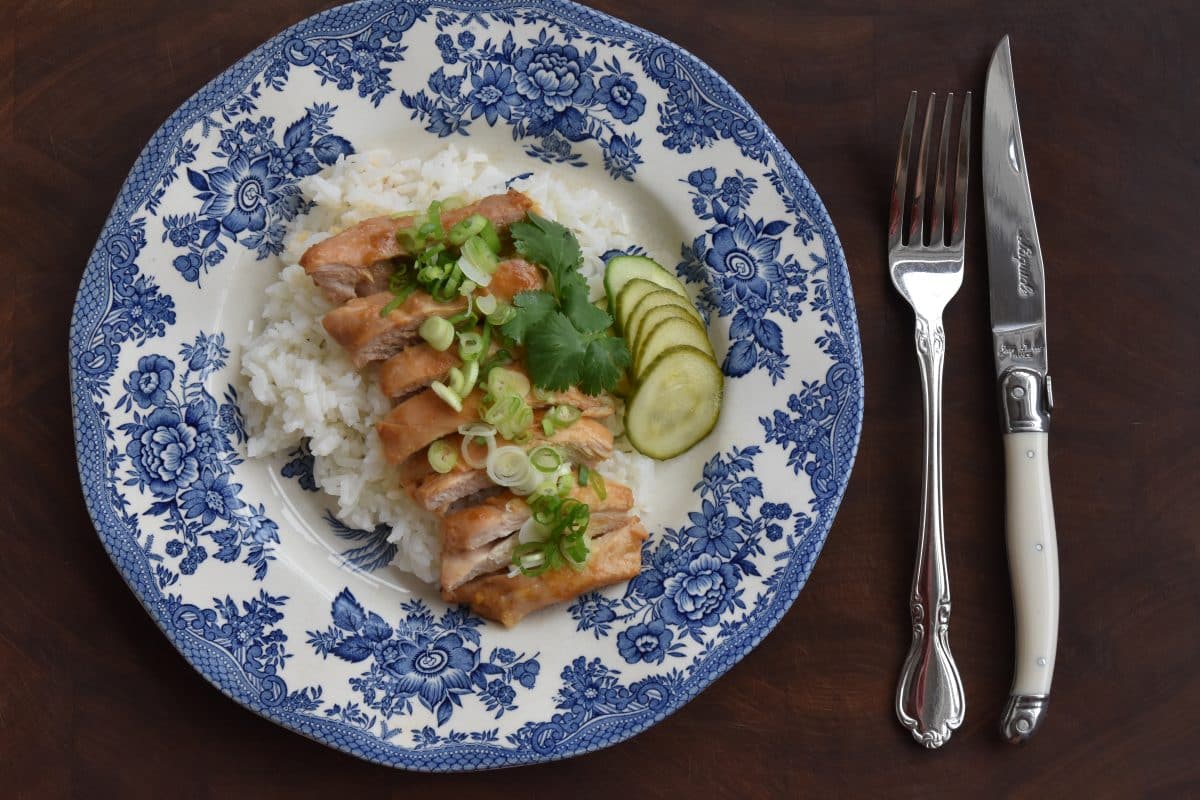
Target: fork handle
{"points": [[929, 697]]}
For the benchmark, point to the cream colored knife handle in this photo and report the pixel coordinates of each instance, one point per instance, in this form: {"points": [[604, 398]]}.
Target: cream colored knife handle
{"points": [[1033, 565]]}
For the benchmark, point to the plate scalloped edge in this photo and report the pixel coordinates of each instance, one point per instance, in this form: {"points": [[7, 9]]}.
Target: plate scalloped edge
{"points": [[118, 533]]}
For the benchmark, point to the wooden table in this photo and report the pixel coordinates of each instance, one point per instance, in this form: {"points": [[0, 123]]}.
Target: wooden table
{"points": [[94, 702]]}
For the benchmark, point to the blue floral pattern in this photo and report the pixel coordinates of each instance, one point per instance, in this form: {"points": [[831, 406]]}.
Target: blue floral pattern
{"points": [[193, 529], [253, 193], [741, 271], [435, 660], [548, 90], [182, 453]]}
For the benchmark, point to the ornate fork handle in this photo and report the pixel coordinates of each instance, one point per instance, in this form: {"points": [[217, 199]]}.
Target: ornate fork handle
{"points": [[929, 698]]}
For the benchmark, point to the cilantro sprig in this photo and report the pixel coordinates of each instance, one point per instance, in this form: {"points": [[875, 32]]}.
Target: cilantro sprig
{"points": [[566, 337]]}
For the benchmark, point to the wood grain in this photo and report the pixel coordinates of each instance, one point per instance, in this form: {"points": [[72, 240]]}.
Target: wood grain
{"points": [[95, 702]]}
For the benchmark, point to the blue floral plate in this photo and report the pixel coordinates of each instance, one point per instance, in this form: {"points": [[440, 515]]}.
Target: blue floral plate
{"points": [[299, 617]]}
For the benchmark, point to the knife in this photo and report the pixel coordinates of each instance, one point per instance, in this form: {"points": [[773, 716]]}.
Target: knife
{"points": [[1018, 305]]}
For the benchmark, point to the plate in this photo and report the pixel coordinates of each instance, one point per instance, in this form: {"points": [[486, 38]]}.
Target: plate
{"points": [[297, 616]]}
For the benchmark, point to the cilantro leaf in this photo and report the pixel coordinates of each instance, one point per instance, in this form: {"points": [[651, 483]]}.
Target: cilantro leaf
{"points": [[531, 307], [603, 362], [583, 315], [555, 353], [544, 241], [565, 337]]}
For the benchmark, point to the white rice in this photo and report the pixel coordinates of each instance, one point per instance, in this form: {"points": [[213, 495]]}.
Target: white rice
{"points": [[302, 385]]}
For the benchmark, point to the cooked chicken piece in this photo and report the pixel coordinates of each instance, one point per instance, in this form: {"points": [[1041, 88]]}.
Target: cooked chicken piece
{"points": [[587, 442], [368, 337], [460, 567], [594, 406], [358, 327], [614, 557], [355, 262], [504, 513], [404, 432], [414, 368], [422, 419]]}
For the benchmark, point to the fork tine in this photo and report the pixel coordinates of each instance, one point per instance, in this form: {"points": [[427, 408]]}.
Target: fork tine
{"points": [[900, 186], [937, 229], [958, 230], [916, 229]]}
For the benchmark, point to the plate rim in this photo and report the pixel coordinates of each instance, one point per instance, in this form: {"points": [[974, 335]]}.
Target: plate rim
{"points": [[210, 661]]}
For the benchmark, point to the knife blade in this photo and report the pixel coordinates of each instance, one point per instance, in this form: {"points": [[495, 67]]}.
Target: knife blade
{"points": [[1016, 278]]}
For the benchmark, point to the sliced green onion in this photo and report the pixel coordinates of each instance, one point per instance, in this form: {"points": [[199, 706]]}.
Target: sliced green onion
{"points": [[565, 416], [477, 430], [438, 333], [430, 273], [511, 415], [468, 454], [548, 426], [541, 395], [478, 262], [469, 227], [452, 202], [501, 356], [503, 313], [507, 381], [596, 481], [442, 456], [530, 559], [508, 466], [457, 381], [486, 304], [531, 531], [466, 288], [490, 237], [470, 346], [583, 475], [450, 398], [574, 551], [471, 377], [397, 301], [545, 458], [564, 485]]}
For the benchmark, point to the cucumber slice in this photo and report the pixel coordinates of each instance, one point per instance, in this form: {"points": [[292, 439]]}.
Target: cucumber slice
{"points": [[676, 404], [622, 269], [663, 297], [630, 296], [676, 330]]}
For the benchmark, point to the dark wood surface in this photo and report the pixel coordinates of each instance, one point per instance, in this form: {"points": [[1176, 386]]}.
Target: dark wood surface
{"points": [[94, 702]]}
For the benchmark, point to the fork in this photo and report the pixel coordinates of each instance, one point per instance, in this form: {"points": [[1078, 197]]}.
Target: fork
{"points": [[927, 270]]}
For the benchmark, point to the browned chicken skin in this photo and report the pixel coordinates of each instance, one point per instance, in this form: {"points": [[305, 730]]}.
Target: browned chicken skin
{"points": [[614, 557], [405, 429], [587, 441], [355, 261], [366, 336], [458, 567], [504, 513]]}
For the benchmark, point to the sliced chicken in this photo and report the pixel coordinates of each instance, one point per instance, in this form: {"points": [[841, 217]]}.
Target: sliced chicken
{"points": [[460, 567], [422, 419], [587, 442], [404, 431], [504, 513], [366, 336], [358, 327], [414, 368], [355, 262], [614, 557]]}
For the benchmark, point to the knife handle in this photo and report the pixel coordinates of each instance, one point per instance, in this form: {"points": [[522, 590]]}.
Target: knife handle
{"points": [[1033, 566]]}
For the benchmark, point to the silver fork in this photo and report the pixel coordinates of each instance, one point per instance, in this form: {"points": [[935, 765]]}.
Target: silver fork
{"points": [[928, 272]]}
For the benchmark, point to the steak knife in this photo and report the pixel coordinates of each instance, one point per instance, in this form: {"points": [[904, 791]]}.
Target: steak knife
{"points": [[1018, 306]]}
